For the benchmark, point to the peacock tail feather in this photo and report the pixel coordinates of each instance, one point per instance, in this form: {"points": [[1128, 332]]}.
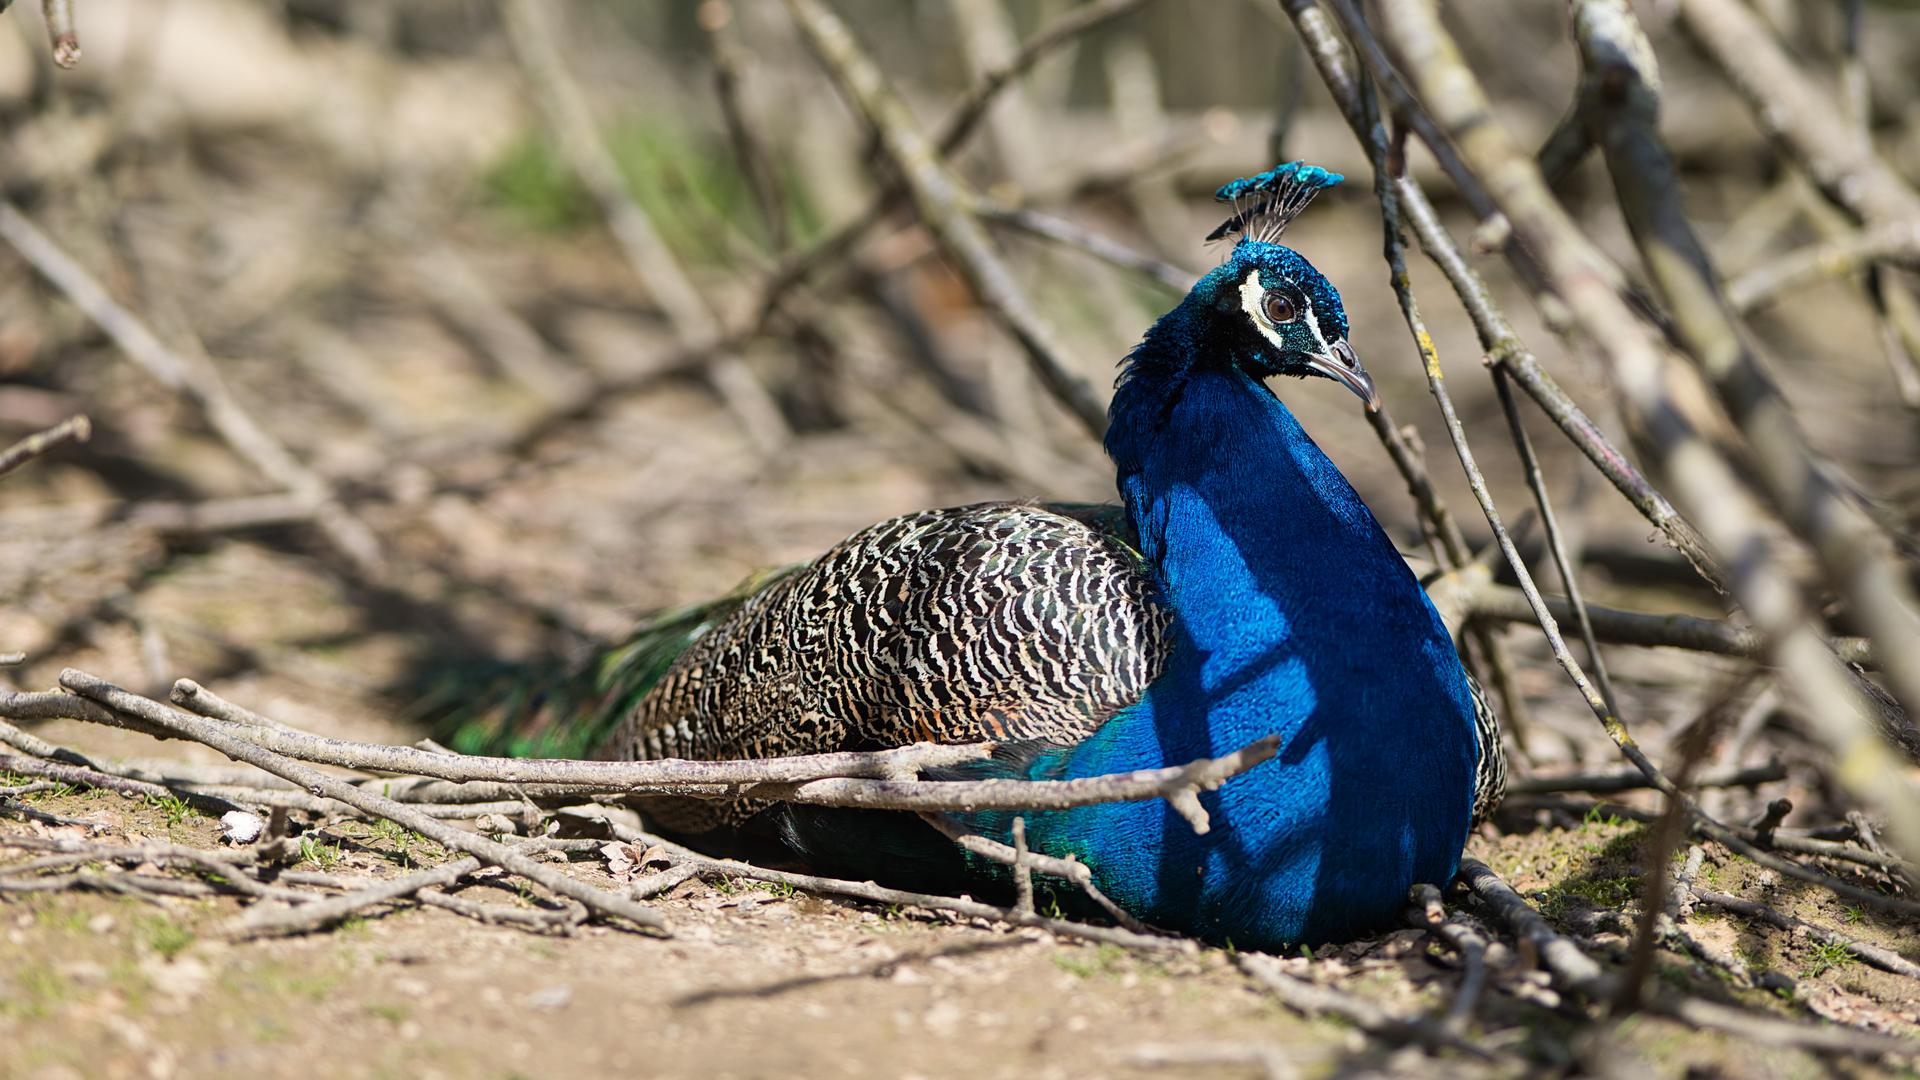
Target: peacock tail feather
{"points": [[527, 710]]}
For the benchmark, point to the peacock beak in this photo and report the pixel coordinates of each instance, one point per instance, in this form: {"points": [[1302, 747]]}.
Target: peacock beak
{"points": [[1339, 362]]}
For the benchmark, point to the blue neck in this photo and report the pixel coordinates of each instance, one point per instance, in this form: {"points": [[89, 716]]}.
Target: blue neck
{"points": [[1252, 534], [1292, 615]]}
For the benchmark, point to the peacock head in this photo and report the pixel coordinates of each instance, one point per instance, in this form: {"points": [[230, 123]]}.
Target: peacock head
{"points": [[1266, 308]]}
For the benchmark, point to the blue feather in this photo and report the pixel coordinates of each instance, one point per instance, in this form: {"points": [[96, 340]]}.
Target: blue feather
{"points": [[1293, 615]]}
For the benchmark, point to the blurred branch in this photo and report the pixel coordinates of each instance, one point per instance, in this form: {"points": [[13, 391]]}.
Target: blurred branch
{"points": [[1046, 226], [1893, 298], [200, 384], [72, 429], [1621, 107], [1508, 604], [1893, 242], [1659, 397], [1798, 114], [951, 136], [531, 32], [945, 206], [756, 164], [1067, 28], [1633, 780], [986, 43], [60, 29], [797, 267], [1497, 336], [466, 300]]}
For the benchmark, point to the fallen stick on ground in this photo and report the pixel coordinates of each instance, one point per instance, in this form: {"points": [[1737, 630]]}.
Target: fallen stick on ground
{"points": [[1884, 959], [866, 890], [210, 733], [1314, 999], [261, 921], [837, 779], [1573, 971]]}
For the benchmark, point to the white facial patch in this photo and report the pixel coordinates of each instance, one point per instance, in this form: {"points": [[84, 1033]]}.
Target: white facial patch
{"points": [[1251, 295], [1313, 324]]}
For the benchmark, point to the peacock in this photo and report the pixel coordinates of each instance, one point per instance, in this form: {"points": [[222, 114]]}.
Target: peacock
{"points": [[1240, 589]]}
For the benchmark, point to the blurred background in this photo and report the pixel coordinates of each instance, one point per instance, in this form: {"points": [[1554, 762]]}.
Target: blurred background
{"points": [[486, 431]]}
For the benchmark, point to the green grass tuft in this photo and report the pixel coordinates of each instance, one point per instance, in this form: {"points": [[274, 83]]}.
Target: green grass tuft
{"points": [[166, 937], [1828, 956], [174, 807], [319, 852]]}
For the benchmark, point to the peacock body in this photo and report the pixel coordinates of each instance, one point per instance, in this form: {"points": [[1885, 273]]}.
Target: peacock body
{"points": [[1241, 589]]}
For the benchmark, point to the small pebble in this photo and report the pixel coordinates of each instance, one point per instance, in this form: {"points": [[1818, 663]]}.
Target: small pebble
{"points": [[241, 827]]}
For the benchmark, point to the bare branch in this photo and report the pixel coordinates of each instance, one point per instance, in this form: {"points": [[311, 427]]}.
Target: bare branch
{"points": [[531, 32], [66, 43], [186, 725], [261, 921], [1663, 402], [198, 383], [946, 207], [72, 429], [1314, 999]]}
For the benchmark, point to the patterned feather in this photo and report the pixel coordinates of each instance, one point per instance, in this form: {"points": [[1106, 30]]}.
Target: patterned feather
{"points": [[527, 711], [1000, 621]]}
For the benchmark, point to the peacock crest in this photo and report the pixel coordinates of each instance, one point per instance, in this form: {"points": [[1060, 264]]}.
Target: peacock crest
{"points": [[1266, 203]]}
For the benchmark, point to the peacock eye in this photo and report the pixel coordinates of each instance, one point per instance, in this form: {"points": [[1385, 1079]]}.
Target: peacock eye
{"points": [[1279, 307]]}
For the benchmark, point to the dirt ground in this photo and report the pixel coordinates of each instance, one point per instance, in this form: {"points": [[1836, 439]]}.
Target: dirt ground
{"points": [[759, 981]]}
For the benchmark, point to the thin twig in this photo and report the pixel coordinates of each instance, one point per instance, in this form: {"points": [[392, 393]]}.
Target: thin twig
{"points": [[1884, 959], [1314, 999], [1656, 389], [186, 725], [1556, 541], [199, 383], [945, 206], [263, 921], [531, 32], [1069, 869], [866, 890], [72, 429]]}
